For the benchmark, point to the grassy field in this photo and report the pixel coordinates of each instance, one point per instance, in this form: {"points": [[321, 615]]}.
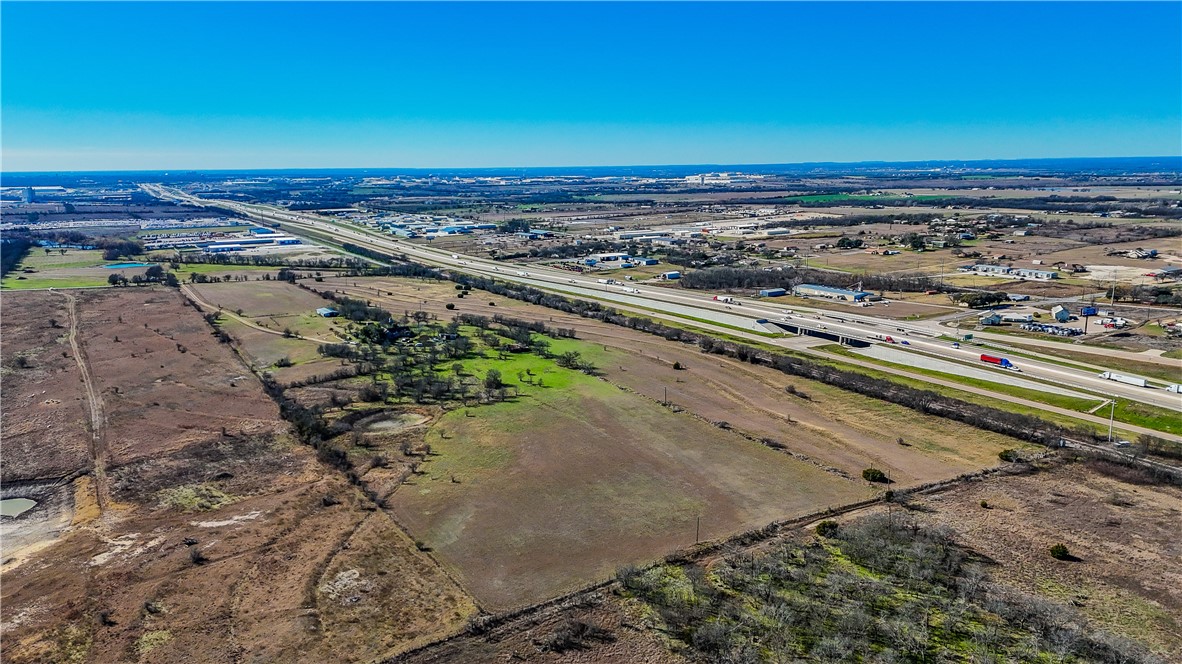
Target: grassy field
{"points": [[77, 268], [563, 483], [835, 427]]}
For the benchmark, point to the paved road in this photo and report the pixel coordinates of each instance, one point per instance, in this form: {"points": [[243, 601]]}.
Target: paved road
{"points": [[742, 313], [890, 354]]}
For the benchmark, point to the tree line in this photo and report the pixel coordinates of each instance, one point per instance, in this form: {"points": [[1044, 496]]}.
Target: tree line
{"points": [[722, 278]]}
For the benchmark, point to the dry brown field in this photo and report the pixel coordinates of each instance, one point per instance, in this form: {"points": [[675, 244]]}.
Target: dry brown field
{"points": [[268, 308], [191, 526], [1121, 530]]}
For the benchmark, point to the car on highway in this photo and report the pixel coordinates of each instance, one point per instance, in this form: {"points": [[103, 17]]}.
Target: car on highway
{"points": [[956, 344], [905, 342]]}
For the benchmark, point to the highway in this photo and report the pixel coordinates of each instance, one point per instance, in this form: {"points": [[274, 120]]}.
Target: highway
{"points": [[745, 313]]}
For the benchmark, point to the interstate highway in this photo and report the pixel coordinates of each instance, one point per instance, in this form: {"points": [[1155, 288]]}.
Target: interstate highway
{"points": [[744, 314]]}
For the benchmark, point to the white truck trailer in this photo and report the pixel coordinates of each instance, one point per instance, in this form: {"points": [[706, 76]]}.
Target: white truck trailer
{"points": [[1127, 380]]}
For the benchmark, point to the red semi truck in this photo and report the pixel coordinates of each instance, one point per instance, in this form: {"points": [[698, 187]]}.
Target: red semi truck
{"points": [[999, 361]]}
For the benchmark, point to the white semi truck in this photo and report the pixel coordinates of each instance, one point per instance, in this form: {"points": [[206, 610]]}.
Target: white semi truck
{"points": [[1127, 380]]}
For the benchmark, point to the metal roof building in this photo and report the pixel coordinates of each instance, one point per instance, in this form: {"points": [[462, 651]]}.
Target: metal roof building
{"points": [[813, 290]]}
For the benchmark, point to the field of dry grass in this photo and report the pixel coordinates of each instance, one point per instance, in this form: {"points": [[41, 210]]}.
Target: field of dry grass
{"points": [[197, 527]]}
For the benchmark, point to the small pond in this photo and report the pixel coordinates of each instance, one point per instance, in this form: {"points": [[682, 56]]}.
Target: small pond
{"points": [[16, 506], [119, 266]]}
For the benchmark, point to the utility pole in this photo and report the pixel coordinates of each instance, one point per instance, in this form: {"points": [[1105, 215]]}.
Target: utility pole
{"points": [[665, 399], [698, 530]]}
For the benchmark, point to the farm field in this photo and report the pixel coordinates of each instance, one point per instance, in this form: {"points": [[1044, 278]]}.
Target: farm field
{"points": [[833, 428], [257, 313], [191, 525], [83, 268], [530, 498], [75, 269], [1122, 579]]}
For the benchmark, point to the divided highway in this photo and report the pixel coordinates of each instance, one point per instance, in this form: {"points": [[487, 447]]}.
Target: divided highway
{"points": [[756, 315]]}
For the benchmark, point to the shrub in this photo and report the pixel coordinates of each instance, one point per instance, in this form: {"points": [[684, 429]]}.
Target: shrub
{"points": [[677, 366], [197, 557], [1010, 455], [985, 504], [283, 362], [1060, 552], [449, 306], [827, 528], [874, 475]]}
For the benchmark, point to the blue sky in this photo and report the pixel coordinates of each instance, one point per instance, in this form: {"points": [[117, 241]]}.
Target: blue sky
{"points": [[103, 86]]}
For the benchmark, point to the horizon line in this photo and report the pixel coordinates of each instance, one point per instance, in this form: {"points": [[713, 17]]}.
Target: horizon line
{"points": [[864, 162]]}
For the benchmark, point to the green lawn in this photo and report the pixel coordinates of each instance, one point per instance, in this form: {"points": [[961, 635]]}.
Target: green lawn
{"points": [[13, 282], [73, 258]]}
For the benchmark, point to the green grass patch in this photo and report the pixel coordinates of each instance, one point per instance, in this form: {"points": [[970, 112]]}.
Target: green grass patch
{"points": [[31, 281], [195, 498]]}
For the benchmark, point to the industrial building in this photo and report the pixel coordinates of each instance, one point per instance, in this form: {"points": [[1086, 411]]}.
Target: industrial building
{"points": [[327, 312], [607, 258], [1006, 271], [772, 292], [813, 290], [1024, 273]]}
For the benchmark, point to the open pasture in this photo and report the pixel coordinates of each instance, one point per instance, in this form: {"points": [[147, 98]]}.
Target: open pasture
{"points": [[832, 427], [557, 487]]}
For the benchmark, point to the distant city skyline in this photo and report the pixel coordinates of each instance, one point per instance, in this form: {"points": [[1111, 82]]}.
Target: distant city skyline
{"points": [[173, 86]]}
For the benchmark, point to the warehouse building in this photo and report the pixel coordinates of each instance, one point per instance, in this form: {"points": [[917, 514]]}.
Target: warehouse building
{"points": [[813, 290], [1023, 273]]}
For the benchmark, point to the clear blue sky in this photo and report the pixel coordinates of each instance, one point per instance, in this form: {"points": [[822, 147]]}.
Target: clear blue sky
{"points": [[98, 86]]}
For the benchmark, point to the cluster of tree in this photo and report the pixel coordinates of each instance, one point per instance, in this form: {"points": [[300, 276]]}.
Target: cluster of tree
{"points": [[721, 278], [155, 274], [697, 258], [269, 260], [12, 251], [114, 248], [1162, 295], [514, 226], [857, 220], [979, 299], [355, 310], [883, 588]]}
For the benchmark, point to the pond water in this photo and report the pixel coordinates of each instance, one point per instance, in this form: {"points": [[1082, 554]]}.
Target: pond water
{"points": [[16, 506], [117, 266]]}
